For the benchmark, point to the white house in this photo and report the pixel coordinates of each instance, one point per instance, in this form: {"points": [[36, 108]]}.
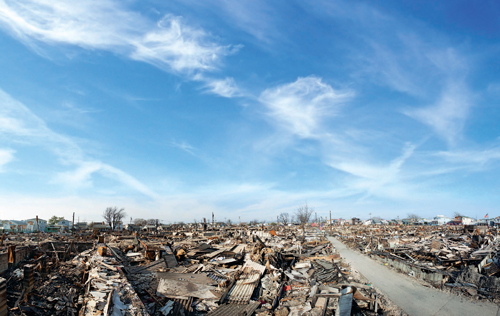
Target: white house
{"points": [[467, 220], [64, 223], [440, 220], [31, 224]]}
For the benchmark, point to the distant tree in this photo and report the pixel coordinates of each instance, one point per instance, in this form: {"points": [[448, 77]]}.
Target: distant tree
{"points": [[108, 216], [284, 218], [253, 223], [303, 215], [113, 216], [413, 217], [229, 223], [151, 221], [54, 220], [140, 222]]}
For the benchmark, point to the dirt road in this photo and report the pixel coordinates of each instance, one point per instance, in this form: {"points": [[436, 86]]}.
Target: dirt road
{"points": [[414, 298]]}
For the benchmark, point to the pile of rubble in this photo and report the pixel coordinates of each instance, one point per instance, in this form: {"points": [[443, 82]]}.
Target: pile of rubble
{"points": [[243, 272], [89, 284], [31, 291], [236, 271], [460, 259]]}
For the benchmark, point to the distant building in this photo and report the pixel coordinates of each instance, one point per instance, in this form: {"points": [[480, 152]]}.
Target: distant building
{"points": [[119, 226], [99, 226], [149, 228], [64, 222], [355, 221], [14, 225], [337, 221], [463, 220], [395, 222], [31, 225], [81, 225], [52, 229], [440, 220], [132, 227], [408, 221]]}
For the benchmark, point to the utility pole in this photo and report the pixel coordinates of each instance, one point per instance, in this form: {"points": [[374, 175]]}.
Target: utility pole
{"points": [[213, 221], [73, 222], [38, 229], [330, 217]]}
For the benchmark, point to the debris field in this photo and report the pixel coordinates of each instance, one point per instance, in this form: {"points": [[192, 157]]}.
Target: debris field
{"points": [[228, 271], [461, 259]]}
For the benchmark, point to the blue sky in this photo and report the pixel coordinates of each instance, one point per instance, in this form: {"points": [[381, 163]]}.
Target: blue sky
{"points": [[176, 109]]}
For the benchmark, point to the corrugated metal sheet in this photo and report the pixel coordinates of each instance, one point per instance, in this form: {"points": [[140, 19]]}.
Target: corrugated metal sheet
{"points": [[182, 304], [324, 271], [216, 277], [235, 309], [243, 289]]}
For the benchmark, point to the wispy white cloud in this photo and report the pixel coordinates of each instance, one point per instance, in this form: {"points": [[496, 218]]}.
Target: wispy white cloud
{"points": [[474, 158], [177, 47], [18, 124], [300, 107], [448, 116], [6, 156], [258, 18], [409, 56], [373, 179], [184, 146], [226, 88], [108, 25], [127, 179], [79, 177]]}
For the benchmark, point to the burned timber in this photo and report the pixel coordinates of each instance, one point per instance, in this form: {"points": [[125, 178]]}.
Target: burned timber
{"points": [[233, 270]]}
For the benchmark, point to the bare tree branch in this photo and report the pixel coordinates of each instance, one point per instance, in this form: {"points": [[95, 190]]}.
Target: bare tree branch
{"points": [[108, 216], [303, 215], [113, 216], [140, 222], [284, 218]]}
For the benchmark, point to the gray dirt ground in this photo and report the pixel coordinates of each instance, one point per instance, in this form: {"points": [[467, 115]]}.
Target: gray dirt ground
{"points": [[414, 298]]}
